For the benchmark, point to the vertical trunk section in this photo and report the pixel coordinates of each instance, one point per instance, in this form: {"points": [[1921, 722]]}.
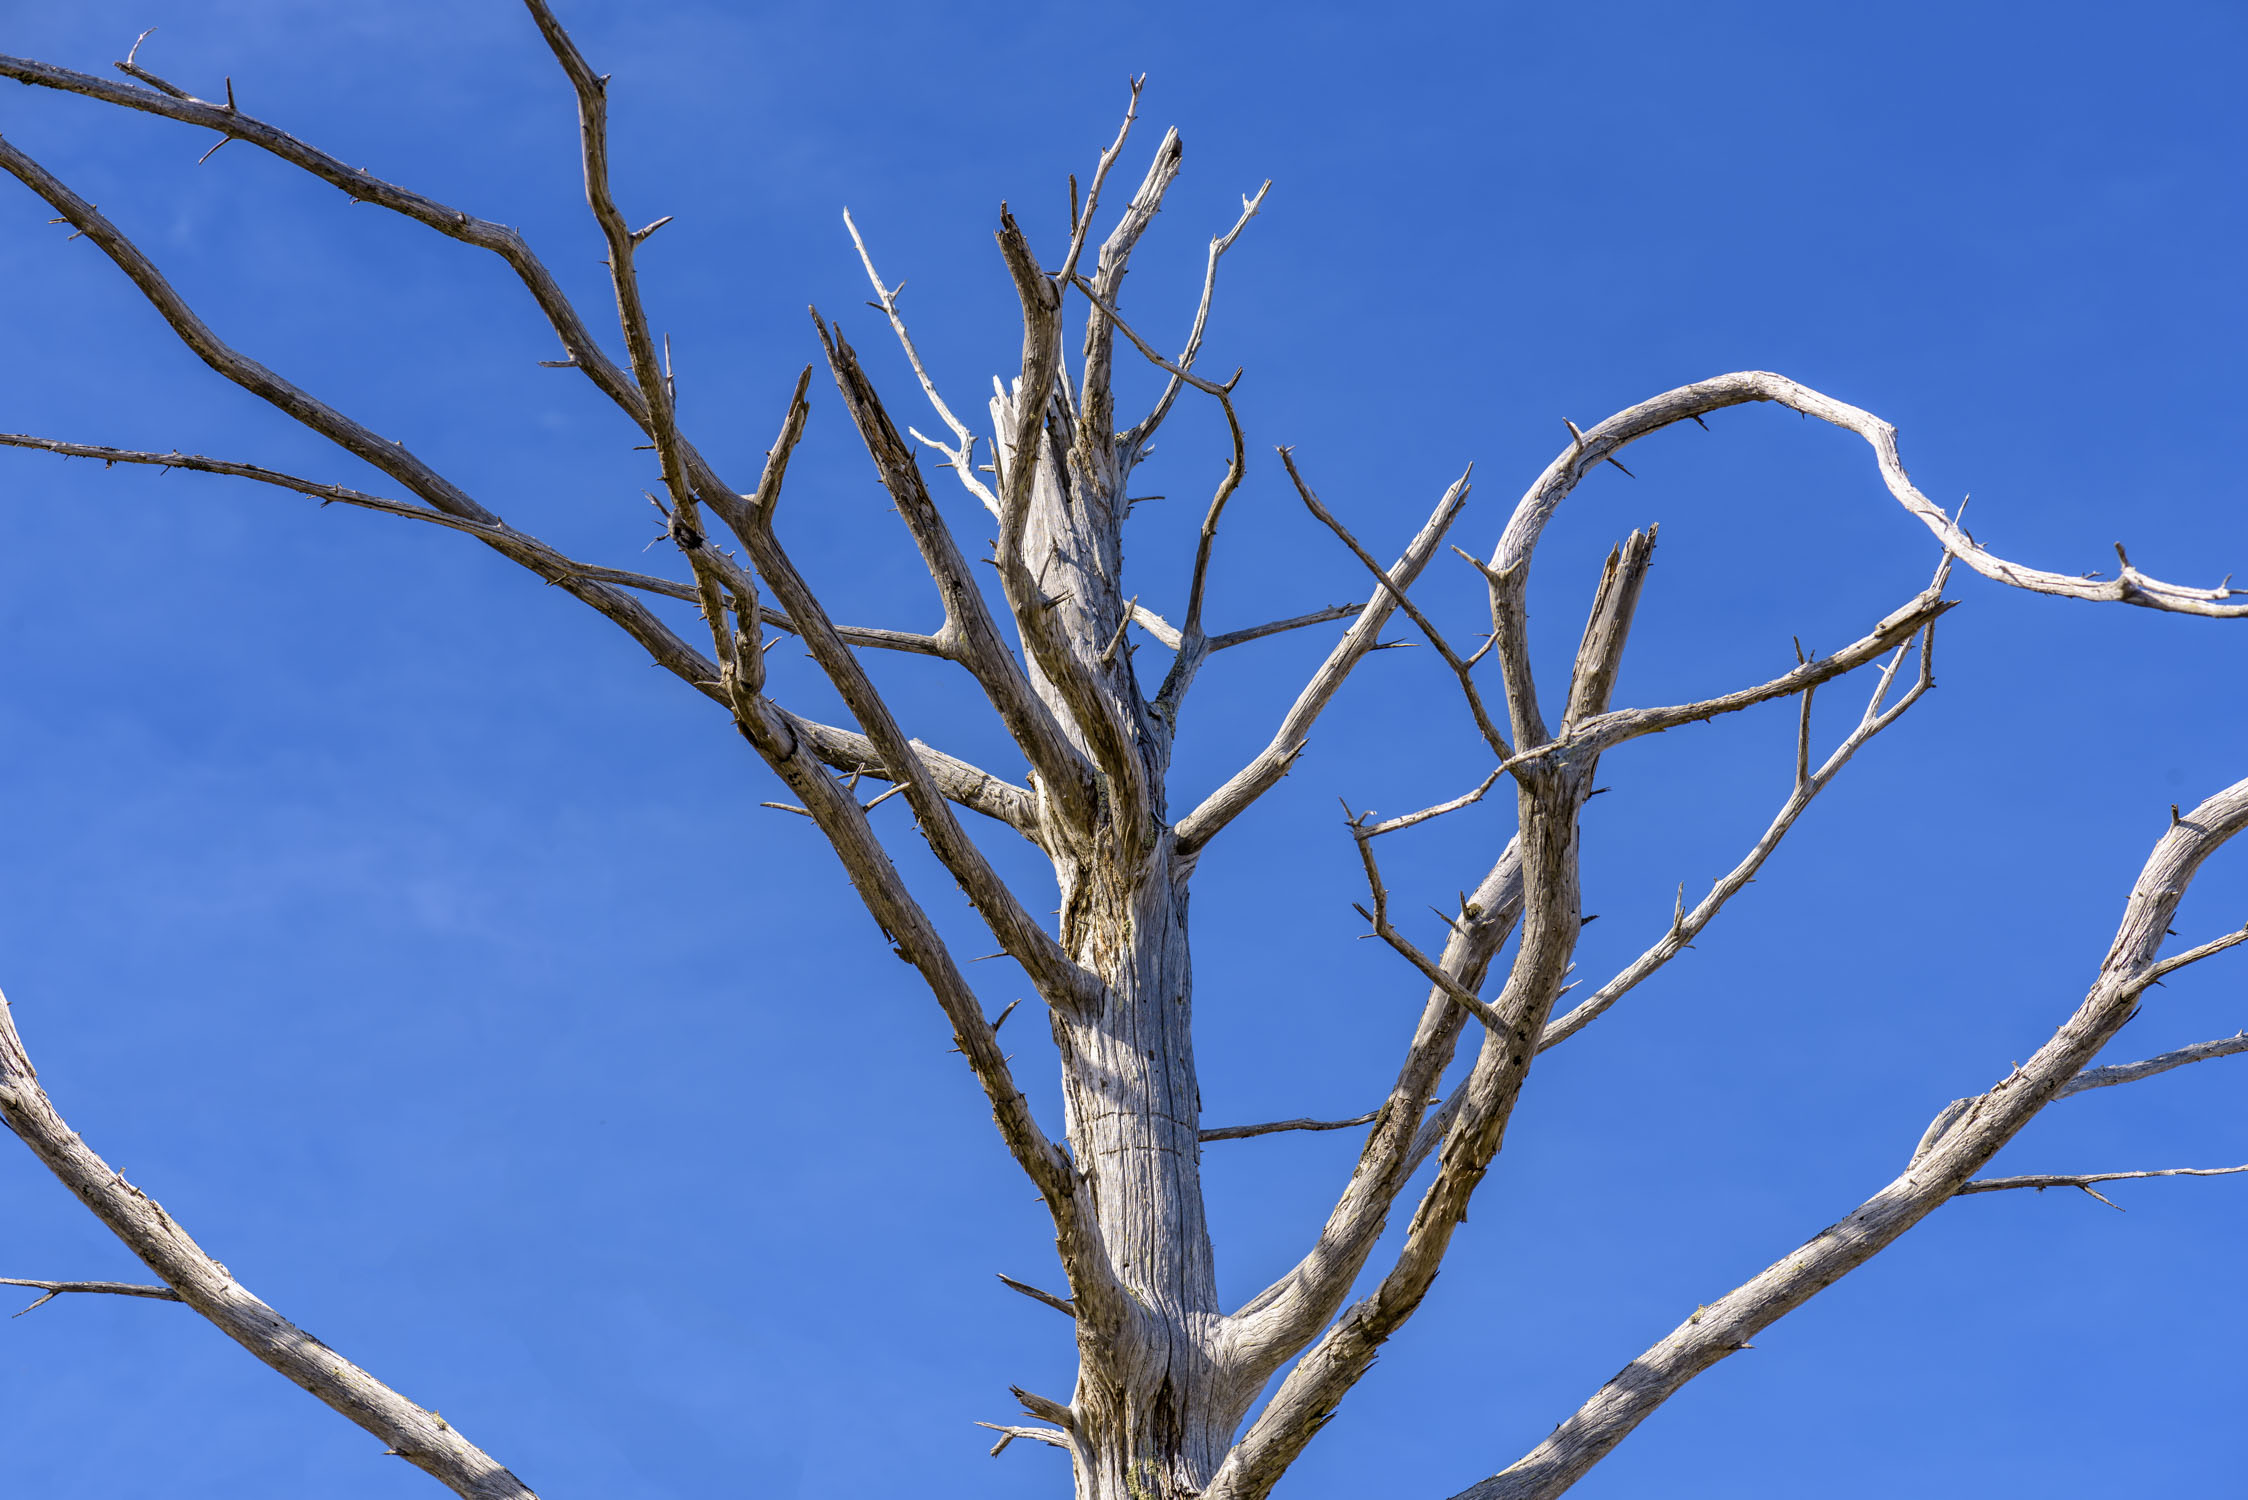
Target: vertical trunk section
{"points": [[1151, 1422]]}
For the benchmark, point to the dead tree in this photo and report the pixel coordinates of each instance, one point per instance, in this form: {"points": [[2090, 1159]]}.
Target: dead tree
{"points": [[1177, 1394]]}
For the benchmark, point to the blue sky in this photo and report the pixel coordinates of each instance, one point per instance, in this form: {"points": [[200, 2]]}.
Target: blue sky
{"points": [[430, 957]]}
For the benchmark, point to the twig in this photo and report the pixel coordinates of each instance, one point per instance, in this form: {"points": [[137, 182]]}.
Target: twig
{"points": [[1008, 1433], [1244, 1132], [1059, 1304], [1234, 638], [1461, 670], [1378, 918], [2085, 1180], [1144, 429], [962, 457], [54, 1289]]}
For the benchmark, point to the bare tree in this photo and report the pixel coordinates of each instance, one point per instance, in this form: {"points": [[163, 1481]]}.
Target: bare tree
{"points": [[1177, 1394]]}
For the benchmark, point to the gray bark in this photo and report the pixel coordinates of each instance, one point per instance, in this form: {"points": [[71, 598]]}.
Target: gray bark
{"points": [[1166, 1402]]}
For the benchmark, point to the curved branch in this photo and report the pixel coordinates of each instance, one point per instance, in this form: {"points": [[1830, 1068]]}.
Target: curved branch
{"points": [[1688, 402]]}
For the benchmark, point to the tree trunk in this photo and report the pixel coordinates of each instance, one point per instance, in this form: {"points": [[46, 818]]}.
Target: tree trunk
{"points": [[1150, 1415], [1153, 1414]]}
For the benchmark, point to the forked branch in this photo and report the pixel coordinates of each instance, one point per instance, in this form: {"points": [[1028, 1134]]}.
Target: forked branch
{"points": [[961, 453], [1228, 802], [1463, 669], [1686, 925], [1363, 834]]}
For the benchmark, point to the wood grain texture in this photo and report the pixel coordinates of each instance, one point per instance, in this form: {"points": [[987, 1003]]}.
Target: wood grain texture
{"points": [[1177, 1397]]}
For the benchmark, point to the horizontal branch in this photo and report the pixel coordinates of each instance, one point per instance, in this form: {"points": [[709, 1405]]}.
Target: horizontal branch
{"points": [[2084, 1180], [1053, 1436], [1244, 1132], [55, 1289], [2132, 1072]]}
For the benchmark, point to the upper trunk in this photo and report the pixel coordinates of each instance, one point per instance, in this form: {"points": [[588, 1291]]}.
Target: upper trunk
{"points": [[1151, 1421]]}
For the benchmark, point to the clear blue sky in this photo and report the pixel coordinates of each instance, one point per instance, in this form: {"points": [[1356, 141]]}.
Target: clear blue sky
{"points": [[429, 955]]}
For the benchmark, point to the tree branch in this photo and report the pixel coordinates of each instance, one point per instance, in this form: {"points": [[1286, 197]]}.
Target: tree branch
{"points": [[1097, 404], [1022, 421], [1384, 929], [54, 1289], [1234, 638], [363, 187], [971, 635], [1135, 440], [2085, 1181], [422, 1438], [1689, 402], [1051, 1436], [1461, 669], [1059, 1304], [1605, 731], [1275, 1127], [1685, 926], [962, 457], [1983, 1126], [2132, 1072], [1229, 801]]}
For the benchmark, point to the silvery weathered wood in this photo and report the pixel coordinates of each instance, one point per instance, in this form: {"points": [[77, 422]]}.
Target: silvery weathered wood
{"points": [[1167, 1400]]}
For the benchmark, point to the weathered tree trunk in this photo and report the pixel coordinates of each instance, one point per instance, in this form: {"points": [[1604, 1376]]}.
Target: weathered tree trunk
{"points": [[1146, 1409], [1151, 1418], [1165, 1377]]}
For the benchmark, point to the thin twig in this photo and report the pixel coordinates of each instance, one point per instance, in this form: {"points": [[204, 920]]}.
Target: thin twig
{"points": [[1462, 670]]}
